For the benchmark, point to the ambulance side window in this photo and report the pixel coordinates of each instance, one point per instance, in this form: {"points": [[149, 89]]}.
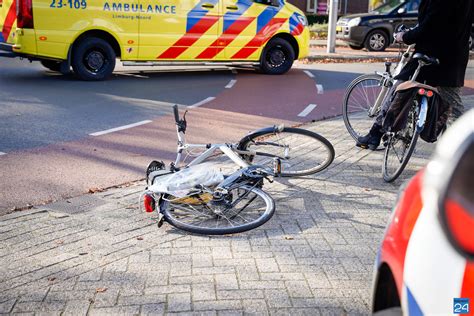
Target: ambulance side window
{"points": [[275, 3]]}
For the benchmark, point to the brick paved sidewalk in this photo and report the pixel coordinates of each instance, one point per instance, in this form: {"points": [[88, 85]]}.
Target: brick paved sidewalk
{"points": [[100, 254]]}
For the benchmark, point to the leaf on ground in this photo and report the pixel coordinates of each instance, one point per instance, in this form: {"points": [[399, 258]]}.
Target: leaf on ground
{"points": [[140, 238], [60, 242], [51, 279], [100, 289], [95, 190], [289, 238]]}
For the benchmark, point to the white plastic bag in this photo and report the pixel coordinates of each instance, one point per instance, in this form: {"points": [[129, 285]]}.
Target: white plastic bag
{"points": [[180, 183]]}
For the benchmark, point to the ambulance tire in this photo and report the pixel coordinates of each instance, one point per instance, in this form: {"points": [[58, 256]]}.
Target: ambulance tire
{"points": [[51, 65], [93, 59], [277, 57]]}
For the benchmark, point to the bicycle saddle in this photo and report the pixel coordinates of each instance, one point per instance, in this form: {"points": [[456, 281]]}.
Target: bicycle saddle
{"points": [[426, 59]]}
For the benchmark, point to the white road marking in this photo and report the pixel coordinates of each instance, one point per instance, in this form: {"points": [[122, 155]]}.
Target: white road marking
{"points": [[320, 88], [309, 73], [120, 128], [195, 105], [231, 83], [307, 110], [2, 153]]}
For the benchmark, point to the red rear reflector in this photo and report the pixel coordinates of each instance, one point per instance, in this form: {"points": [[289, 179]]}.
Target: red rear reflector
{"points": [[149, 203], [421, 91], [429, 94], [24, 14]]}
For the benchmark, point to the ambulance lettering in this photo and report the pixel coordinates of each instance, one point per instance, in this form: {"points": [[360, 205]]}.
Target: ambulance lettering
{"points": [[139, 8]]}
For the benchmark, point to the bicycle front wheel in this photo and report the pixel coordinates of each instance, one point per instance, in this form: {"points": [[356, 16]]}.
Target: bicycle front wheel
{"points": [[399, 149], [360, 97], [301, 152], [242, 208]]}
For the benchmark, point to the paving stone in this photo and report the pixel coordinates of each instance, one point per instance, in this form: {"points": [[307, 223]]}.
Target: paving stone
{"points": [[77, 307], [255, 307], [204, 292], [277, 298], [179, 302], [218, 305]]}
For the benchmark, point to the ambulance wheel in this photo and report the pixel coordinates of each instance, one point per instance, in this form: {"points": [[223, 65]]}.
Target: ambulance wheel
{"points": [[51, 65], [93, 59], [277, 57]]}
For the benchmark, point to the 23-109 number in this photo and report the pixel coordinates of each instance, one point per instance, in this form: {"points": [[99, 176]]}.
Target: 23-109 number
{"points": [[72, 4]]}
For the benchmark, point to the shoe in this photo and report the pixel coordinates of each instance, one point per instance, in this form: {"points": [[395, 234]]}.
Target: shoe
{"points": [[372, 139]]}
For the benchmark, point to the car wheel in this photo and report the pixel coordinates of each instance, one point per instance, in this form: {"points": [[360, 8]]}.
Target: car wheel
{"points": [[376, 41], [277, 57], [356, 47], [52, 65], [93, 59]]}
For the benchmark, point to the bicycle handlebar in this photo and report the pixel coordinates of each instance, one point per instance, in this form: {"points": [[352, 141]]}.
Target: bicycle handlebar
{"points": [[176, 113]]}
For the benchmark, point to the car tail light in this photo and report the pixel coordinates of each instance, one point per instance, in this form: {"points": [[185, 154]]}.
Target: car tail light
{"points": [[429, 93], [149, 203], [24, 14]]}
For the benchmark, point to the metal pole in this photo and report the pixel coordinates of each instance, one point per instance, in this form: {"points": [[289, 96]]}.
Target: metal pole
{"points": [[331, 45]]}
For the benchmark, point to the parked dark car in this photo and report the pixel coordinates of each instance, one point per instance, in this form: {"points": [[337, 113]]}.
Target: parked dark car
{"points": [[374, 30]]}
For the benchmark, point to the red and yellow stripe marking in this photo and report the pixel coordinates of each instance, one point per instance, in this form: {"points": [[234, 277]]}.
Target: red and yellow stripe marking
{"points": [[261, 38], [9, 20], [226, 38], [191, 37]]}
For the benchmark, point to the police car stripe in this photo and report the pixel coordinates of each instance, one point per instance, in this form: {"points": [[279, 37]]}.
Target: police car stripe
{"points": [[226, 38], [262, 36], [188, 39], [197, 13], [9, 20], [468, 281]]}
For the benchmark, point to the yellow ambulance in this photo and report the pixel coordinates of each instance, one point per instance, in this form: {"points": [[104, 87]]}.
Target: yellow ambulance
{"points": [[88, 35]]}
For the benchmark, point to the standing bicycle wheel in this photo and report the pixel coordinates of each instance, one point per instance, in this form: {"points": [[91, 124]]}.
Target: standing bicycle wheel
{"points": [[301, 152], [361, 96], [242, 208], [400, 147]]}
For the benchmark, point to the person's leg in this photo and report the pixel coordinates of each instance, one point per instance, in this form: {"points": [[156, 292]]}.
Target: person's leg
{"points": [[373, 138], [452, 96]]}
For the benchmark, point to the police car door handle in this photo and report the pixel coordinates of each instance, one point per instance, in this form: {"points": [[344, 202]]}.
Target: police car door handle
{"points": [[232, 7], [207, 5]]}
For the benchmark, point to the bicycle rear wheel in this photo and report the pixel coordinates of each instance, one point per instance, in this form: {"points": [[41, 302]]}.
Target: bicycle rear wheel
{"points": [[400, 148], [360, 97], [301, 152], [243, 208]]}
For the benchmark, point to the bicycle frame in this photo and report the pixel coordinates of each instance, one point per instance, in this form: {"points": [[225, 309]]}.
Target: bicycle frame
{"points": [[228, 149], [388, 81]]}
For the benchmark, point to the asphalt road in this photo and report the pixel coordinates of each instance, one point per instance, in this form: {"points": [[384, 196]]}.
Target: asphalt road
{"points": [[59, 137]]}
